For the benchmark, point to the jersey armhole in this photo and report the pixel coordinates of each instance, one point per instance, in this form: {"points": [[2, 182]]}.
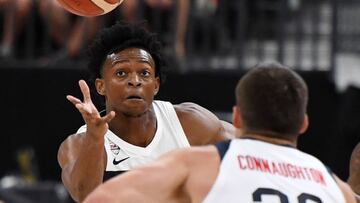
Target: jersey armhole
{"points": [[222, 148], [110, 174], [330, 172], [171, 115]]}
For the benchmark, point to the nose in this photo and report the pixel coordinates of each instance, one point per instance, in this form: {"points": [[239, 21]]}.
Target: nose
{"points": [[134, 80]]}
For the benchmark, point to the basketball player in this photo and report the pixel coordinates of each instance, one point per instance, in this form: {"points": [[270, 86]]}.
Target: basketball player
{"points": [[354, 178], [134, 129], [261, 166]]}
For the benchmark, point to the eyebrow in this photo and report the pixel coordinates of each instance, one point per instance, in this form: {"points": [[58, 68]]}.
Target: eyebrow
{"points": [[127, 60]]}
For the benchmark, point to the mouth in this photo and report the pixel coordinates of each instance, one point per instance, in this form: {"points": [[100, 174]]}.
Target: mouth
{"points": [[134, 98]]}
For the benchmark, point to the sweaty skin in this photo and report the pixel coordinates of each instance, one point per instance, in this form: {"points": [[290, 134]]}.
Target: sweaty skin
{"points": [[354, 177], [129, 84]]}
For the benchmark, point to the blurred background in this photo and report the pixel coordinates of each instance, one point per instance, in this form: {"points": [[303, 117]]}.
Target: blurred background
{"points": [[209, 44]]}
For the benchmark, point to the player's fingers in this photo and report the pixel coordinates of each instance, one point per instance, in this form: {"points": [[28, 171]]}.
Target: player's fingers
{"points": [[86, 112], [73, 99], [85, 90], [109, 116]]}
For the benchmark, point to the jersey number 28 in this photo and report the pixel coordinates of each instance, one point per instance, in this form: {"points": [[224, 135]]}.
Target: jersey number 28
{"points": [[283, 198]]}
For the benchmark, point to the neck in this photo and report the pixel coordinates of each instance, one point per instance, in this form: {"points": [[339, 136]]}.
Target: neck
{"points": [[292, 140], [138, 130]]}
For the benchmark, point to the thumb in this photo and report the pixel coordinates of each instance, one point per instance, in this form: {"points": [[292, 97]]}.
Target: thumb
{"points": [[108, 117]]}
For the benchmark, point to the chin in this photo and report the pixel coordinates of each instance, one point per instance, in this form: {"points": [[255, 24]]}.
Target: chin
{"points": [[135, 111], [135, 108], [134, 114]]}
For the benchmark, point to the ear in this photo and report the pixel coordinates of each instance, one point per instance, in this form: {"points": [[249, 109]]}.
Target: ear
{"points": [[305, 124], [236, 116], [100, 86], [157, 85]]}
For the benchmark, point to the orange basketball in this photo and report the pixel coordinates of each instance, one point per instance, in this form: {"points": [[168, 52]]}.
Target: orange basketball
{"points": [[89, 8]]}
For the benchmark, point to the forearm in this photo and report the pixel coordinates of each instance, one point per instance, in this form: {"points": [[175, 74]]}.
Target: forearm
{"points": [[86, 172]]}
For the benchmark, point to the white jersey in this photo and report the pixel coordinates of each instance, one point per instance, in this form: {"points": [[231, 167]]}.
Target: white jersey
{"points": [[122, 156], [255, 171]]}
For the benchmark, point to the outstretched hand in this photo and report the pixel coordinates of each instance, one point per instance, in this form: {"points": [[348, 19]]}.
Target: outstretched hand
{"points": [[96, 125]]}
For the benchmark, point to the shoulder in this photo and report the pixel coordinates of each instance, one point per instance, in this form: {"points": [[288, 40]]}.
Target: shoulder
{"points": [[188, 155], [193, 112], [200, 125], [69, 147], [72, 139], [354, 176], [355, 159], [188, 106], [192, 158], [202, 154], [355, 155]]}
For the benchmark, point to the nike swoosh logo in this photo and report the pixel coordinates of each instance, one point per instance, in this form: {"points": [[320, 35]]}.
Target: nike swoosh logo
{"points": [[121, 160]]}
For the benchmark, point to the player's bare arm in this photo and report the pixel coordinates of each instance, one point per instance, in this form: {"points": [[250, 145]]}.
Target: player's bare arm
{"points": [[354, 177], [165, 176], [204, 165], [201, 126], [346, 190], [82, 156], [179, 176]]}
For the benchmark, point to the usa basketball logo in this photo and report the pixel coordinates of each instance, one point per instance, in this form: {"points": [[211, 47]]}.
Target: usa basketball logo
{"points": [[115, 149]]}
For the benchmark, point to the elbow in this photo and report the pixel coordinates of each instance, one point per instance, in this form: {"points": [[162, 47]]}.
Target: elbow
{"points": [[79, 188], [76, 195], [80, 193]]}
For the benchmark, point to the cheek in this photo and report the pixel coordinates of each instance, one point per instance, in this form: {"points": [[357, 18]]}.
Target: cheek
{"points": [[150, 89], [115, 90]]}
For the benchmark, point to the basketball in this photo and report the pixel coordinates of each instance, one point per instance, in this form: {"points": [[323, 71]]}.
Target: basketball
{"points": [[89, 8]]}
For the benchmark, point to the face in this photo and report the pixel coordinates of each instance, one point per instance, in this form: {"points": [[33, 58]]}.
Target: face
{"points": [[128, 82]]}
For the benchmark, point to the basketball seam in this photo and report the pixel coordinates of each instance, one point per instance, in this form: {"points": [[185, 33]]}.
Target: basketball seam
{"points": [[106, 6], [79, 12], [112, 1]]}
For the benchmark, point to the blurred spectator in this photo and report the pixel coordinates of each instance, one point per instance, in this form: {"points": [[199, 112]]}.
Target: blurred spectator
{"points": [[15, 13], [203, 29], [159, 13], [68, 32]]}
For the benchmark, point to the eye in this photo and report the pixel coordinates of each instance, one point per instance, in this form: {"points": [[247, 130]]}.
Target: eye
{"points": [[120, 73], [145, 73]]}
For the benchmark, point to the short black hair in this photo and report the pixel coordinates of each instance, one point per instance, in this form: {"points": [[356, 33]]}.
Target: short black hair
{"points": [[272, 99], [121, 36]]}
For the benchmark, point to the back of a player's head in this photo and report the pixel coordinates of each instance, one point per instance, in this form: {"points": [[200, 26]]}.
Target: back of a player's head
{"points": [[272, 99], [119, 37]]}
